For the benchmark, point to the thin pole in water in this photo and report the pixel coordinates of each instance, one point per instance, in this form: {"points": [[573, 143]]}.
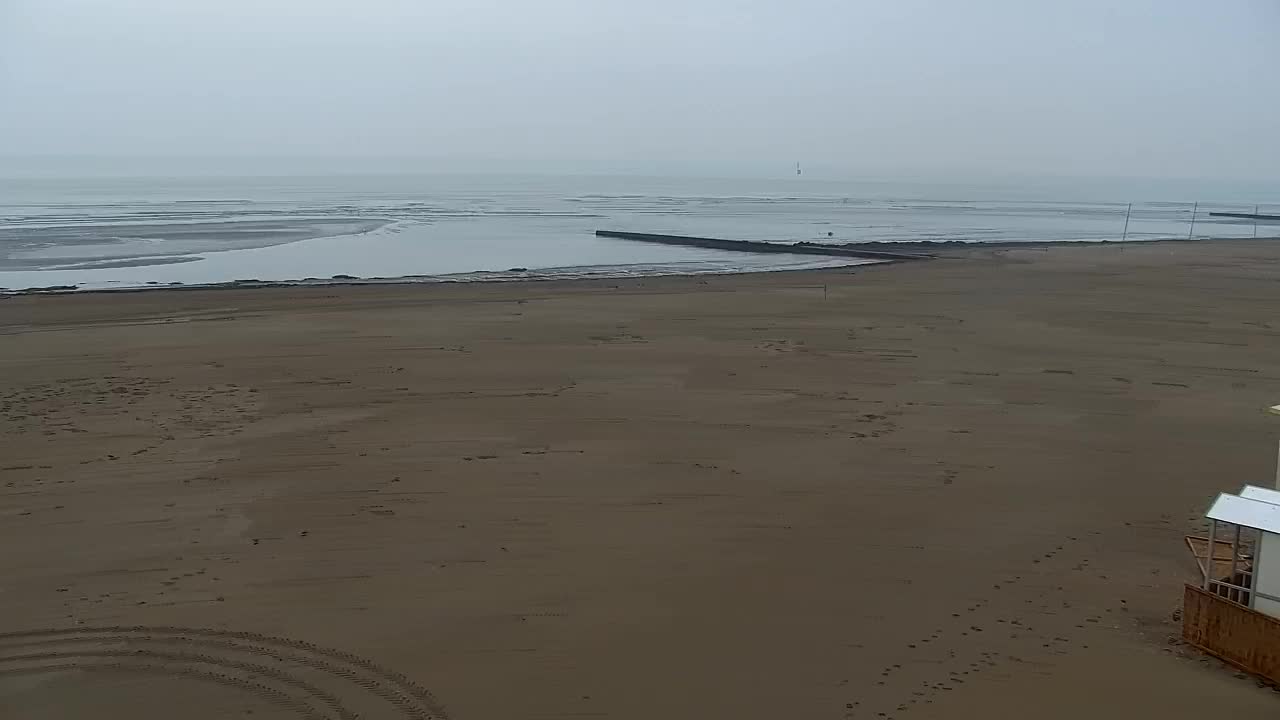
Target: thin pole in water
{"points": [[1126, 222], [1255, 222], [1194, 209]]}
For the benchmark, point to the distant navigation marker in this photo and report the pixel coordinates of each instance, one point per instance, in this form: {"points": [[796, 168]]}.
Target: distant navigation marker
{"points": [[797, 168]]}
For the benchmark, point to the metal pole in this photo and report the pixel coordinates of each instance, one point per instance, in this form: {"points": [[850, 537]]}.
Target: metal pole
{"points": [[1126, 222], [1234, 594], [1257, 563], [1194, 208], [1208, 561], [1275, 410]]}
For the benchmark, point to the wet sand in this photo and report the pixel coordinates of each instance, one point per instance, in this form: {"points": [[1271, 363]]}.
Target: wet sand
{"points": [[49, 247], [953, 489]]}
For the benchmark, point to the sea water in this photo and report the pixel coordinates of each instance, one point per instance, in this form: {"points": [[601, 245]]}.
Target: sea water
{"points": [[104, 232]]}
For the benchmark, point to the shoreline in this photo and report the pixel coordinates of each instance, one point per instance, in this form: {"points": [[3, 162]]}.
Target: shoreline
{"points": [[492, 277], [942, 250]]}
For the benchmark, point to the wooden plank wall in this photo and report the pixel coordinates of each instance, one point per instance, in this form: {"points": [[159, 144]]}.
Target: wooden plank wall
{"points": [[1241, 636]]}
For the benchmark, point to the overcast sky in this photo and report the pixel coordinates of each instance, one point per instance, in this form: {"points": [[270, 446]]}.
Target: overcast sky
{"points": [[1183, 88]]}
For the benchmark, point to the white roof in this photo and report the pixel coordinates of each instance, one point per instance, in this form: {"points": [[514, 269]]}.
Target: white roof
{"points": [[1246, 512], [1266, 495]]}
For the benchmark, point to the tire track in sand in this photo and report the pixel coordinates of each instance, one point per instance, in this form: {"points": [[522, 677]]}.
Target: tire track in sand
{"points": [[319, 682]]}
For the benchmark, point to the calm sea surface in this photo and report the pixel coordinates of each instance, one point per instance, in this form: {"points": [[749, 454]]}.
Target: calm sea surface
{"points": [[125, 232]]}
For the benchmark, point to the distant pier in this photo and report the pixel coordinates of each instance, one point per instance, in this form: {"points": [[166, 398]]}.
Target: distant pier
{"points": [[756, 246], [1244, 216]]}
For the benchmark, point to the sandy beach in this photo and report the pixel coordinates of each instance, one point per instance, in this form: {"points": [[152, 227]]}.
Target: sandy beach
{"points": [[948, 489]]}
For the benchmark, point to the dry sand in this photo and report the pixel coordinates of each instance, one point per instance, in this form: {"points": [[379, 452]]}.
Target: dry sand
{"points": [[943, 490]]}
